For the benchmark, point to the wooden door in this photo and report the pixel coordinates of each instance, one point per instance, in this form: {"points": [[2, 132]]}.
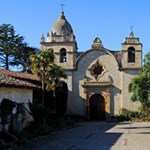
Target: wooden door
{"points": [[97, 107]]}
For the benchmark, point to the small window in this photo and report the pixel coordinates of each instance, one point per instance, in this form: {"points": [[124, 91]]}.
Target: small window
{"points": [[63, 57], [131, 55]]}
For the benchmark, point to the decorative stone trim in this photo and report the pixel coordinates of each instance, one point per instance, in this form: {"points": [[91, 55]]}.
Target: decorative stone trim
{"points": [[97, 84], [97, 70]]}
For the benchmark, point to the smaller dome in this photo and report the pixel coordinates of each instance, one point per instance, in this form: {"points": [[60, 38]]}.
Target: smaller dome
{"points": [[97, 43], [62, 26]]}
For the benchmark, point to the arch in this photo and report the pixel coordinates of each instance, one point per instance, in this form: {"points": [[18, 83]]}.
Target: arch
{"points": [[97, 107], [63, 57], [92, 50], [131, 54]]}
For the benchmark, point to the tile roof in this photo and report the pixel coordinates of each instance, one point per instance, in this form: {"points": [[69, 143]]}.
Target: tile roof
{"points": [[19, 75], [19, 80]]}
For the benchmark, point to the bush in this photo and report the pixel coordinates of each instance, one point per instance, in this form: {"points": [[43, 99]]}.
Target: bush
{"points": [[125, 115], [145, 112], [44, 122], [40, 125], [129, 114], [39, 113]]}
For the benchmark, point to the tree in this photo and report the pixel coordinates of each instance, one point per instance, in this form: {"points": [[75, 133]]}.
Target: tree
{"points": [[13, 49], [146, 67], [54, 76], [50, 74], [53, 81], [140, 86], [22, 58], [41, 62]]}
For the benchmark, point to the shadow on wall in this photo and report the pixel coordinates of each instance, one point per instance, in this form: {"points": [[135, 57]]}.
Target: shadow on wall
{"points": [[115, 92]]}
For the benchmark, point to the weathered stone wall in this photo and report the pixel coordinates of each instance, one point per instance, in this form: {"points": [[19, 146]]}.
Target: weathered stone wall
{"points": [[78, 95], [16, 94], [138, 53], [127, 75], [70, 54], [116, 96]]}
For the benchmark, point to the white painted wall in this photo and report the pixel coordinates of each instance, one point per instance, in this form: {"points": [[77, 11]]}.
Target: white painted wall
{"points": [[19, 95]]}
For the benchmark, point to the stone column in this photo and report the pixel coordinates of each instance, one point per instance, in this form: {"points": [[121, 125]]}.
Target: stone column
{"points": [[107, 104]]}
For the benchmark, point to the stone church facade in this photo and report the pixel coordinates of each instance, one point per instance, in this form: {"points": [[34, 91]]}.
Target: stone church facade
{"points": [[98, 78]]}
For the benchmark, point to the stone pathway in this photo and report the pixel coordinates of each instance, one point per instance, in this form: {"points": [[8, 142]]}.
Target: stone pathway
{"points": [[96, 136]]}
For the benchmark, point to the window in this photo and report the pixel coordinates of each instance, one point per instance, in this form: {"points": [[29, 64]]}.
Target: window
{"points": [[63, 57], [97, 70], [131, 54]]}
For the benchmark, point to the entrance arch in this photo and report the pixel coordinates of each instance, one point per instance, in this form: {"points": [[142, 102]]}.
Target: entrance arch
{"points": [[97, 107]]}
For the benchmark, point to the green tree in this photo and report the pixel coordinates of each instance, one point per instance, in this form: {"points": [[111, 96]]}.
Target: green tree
{"points": [[50, 74], [146, 67], [22, 58], [140, 86], [53, 81], [54, 76], [14, 52]]}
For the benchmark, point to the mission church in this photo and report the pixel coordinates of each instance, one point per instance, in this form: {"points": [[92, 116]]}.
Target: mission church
{"points": [[98, 78]]}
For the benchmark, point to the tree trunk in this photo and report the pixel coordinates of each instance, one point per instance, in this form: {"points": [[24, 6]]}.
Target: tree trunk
{"points": [[7, 66], [43, 91]]}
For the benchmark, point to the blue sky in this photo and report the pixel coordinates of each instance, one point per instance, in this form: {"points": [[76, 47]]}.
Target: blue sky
{"points": [[110, 20]]}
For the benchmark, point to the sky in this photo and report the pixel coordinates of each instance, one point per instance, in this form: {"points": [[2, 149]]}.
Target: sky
{"points": [[110, 20]]}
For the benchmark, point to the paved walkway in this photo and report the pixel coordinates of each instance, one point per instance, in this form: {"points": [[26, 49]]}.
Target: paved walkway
{"points": [[96, 136]]}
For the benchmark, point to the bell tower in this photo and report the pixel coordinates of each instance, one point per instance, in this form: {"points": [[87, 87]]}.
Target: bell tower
{"points": [[62, 40], [131, 67], [131, 53]]}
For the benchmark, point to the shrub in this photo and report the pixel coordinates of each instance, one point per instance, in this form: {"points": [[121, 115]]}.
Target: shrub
{"points": [[126, 114], [129, 114], [39, 113], [44, 122]]}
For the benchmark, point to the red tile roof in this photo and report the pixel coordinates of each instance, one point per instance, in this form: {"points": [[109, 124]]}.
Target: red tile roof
{"points": [[16, 79], [19, 75]]}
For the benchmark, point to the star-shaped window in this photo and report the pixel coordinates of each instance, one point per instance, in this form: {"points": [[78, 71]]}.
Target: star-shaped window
{"points": [[97, 70]]}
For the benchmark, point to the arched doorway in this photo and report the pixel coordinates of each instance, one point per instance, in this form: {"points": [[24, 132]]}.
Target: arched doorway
{"points": [[97, 107]]}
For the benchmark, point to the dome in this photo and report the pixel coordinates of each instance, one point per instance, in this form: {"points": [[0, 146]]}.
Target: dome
{"points": [[62, 27]]}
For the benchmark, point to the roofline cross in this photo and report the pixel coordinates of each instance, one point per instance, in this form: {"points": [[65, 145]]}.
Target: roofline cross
{"points": [[62, 6], [131, 28]]}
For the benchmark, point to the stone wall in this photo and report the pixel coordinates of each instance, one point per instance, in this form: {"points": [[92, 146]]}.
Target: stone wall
{"points": [[127, 76], [79, 98], [70, 54]]}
